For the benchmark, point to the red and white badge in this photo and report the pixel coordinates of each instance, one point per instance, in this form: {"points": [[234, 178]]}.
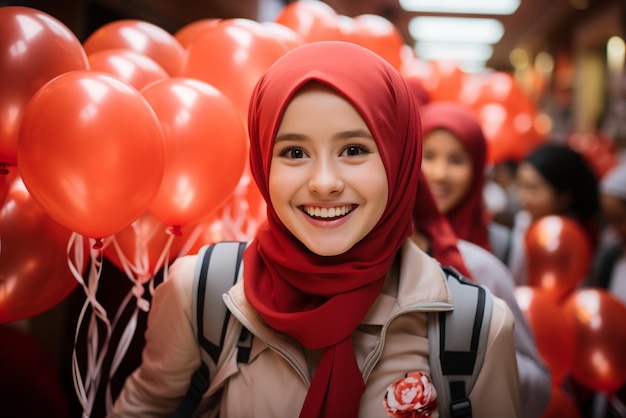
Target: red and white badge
{"points": [[413, 396]]}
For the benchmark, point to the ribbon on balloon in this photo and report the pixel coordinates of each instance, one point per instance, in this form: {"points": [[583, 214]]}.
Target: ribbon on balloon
{"points": [[87, 388], [138, 272]]}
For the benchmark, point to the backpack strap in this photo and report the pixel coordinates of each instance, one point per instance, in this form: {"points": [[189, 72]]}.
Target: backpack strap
{"points": [[217, 270], [457, 343]]}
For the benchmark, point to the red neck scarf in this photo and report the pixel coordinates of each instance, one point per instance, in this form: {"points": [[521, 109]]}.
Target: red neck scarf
{"points": [[319, 301], [468, 219], [429, 221]]}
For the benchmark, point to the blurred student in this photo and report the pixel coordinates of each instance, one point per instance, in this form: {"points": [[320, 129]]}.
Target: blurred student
{"points": [[454, 164], [608, 271], [553, 180], [609, 267], [434, 235]]}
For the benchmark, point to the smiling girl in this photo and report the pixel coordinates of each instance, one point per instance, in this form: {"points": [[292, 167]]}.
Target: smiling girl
{"points": [[334, 292]]}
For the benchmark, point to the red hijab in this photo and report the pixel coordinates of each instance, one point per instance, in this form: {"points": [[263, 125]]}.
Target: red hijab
{"points": [[319, 301], [428, 220], [468, 219]]}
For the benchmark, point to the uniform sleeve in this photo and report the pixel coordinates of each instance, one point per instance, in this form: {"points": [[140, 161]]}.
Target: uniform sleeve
{"points": [[496, 391], [171, 353], [534, 376]]}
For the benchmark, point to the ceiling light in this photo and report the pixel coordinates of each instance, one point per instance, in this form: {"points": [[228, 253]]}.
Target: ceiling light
{"points": [[495, 7], [473, 67], [449, 51], [456, 29]]}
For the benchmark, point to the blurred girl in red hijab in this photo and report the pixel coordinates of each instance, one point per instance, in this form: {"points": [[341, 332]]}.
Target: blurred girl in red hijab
{"points": [[334, 292], [454, 163]]}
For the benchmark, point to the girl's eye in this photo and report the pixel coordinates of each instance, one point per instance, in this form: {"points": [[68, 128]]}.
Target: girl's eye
{"points": [[293, 153], [428, 155], [458, 159], [354, 150]]}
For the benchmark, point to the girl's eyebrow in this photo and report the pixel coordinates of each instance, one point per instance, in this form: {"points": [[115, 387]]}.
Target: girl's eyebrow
{"points": [[354, 133], [289, 137]]}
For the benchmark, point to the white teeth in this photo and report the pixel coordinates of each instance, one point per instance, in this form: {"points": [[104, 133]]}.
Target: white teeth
{"points": [[327, 212]]}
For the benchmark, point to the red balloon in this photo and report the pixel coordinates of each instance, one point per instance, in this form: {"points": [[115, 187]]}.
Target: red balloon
{"points": [[287, 37], [133, 68], [34, 48], [313, 20], [91, 152], [558, 255], [237, 220], [507, 114], [443, 80], [244, 212], [561, 405], [231, 57], [34, 272], [553, 330], [143, 243], [142, 37], [206, 147], [378, 35], [599, 362], [189, 32]]}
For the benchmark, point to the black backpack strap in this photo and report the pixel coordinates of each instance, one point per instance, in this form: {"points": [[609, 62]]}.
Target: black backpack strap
{"points": [[217, 270], [457, 344]]}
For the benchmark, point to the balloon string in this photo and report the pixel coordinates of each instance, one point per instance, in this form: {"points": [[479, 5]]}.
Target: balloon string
{"points": [[95, 359], [141, 266], [87, 389], [129, 331], [140, 269], [193, 237], [126, 337], [142, 258], [165, 253], [131, 269]]}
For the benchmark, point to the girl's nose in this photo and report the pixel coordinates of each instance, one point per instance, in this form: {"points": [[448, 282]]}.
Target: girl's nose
{"points": [[439, 170], [325, 179]]}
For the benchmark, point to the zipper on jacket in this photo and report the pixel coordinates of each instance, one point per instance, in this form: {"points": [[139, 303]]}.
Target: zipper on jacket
{"points": [[374, 356], [371, 359], [284, 353]]}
